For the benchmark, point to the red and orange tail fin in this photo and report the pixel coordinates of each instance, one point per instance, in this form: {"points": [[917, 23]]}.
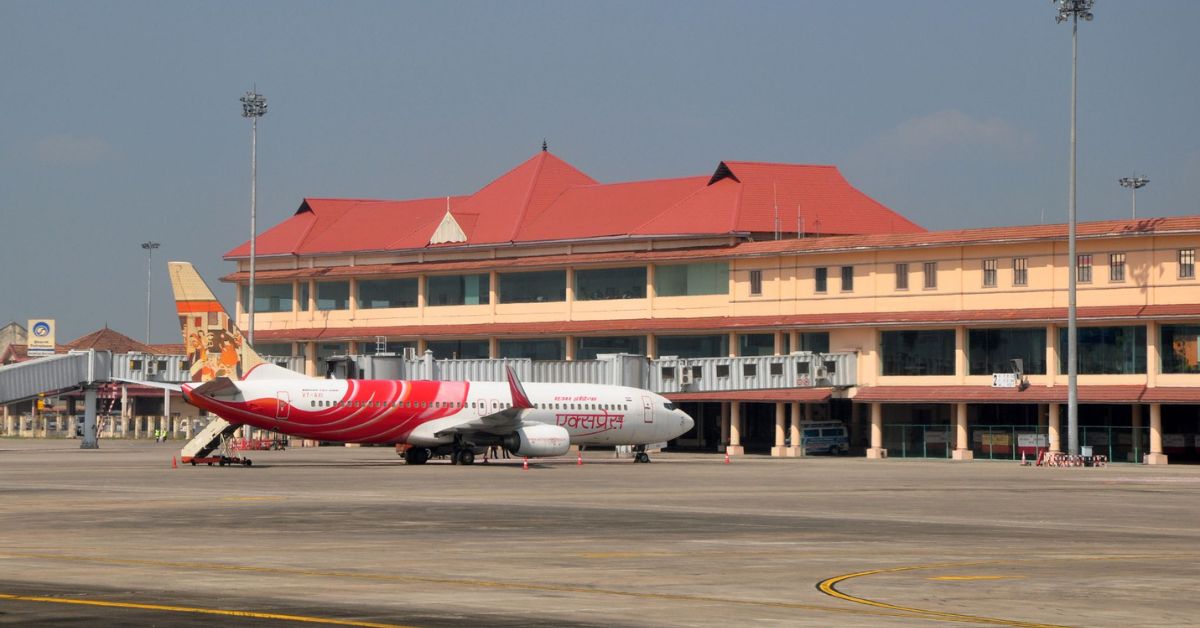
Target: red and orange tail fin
{"points": [[214, 344]]}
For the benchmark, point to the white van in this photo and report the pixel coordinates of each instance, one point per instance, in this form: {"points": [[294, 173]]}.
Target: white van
{"points": [[825, 437]]}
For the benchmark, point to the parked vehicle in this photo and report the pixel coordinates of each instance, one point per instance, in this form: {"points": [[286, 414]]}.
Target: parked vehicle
{"points": [[825, 437]]}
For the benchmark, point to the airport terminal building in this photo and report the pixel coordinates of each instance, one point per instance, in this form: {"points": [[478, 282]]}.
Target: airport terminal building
{"points": [[769, 260]]}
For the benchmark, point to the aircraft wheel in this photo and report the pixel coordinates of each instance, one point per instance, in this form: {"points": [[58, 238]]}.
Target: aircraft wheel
{"points": [[466, 456], [247, 462]]}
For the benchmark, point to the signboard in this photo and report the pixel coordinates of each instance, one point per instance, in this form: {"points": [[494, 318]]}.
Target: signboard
{"points": [[1005, 380], [41, 336], [1030, 439]]}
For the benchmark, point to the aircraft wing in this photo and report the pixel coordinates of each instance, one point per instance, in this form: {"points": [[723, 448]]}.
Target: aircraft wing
{"points": [[142, 382], [215, 386], [501, 422]]}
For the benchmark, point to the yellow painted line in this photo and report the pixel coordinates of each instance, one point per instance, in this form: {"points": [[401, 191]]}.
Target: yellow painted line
{"points": [[957, 578], [489, 584], [201, 611], [829, 587]]}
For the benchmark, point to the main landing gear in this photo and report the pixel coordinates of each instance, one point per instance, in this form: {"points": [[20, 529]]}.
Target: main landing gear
{"points": [[462, 456], [416, 455], [640, 454]]}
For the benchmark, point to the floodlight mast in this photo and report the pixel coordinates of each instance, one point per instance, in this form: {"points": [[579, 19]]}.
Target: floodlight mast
{"points": [[1072, 10], [149, 248], [1134, 183], [254, 106]]}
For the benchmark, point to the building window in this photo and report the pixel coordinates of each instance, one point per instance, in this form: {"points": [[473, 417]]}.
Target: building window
{"points": [[303, 296], [755, 283], [989, 273], [756, 344], [457, 289], [269, 297], [989, 350], [533, 349], [333, 295], [1106, 350], [588, 347], [715, 346], [458, 349], [690, 280], [1187, 263], [610, 283], [814, 341], [274, 349], [1083, 268], [930, 275], [1116, 267], [822, 277], [1020, 271], [918, 352], [902, 276], [847, 279], [387, 293], [330, 349], [533, 287], [1179, 348]]}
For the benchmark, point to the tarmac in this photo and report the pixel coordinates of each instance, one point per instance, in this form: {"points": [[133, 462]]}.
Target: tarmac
{"points": [[353, 537]]}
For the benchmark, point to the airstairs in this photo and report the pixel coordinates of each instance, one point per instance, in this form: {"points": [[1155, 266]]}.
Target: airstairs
{"points": [[207, 440]]}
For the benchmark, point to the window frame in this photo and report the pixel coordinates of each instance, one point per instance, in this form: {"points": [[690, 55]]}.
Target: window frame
{"points": [[1116, 271], [847, 278], [990, 272], [1186, 269], [901, 276], [1020, 271], [930, 275], [821, 280], [1083, 268], [756, 283]]}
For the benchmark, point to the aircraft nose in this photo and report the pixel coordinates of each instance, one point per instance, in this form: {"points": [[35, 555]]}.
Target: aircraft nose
{"points": [[688, 423]]}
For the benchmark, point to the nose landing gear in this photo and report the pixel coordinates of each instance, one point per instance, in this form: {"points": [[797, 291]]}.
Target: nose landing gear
{"points": [[640, 454]]}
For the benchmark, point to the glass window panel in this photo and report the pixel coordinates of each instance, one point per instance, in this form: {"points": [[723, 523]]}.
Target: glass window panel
{"points": [[821, 279], [533, 287], [1187, 263], [1116, 267], [458, 349], [694, 346], [918, 352], [847, 278], [1083, 273], [610, 283], [269, 297], [756, 344], [587, 348], [274, 349], [1106, 350], [534, 349], [902, 276], [333, 295], [755, 282], [303, 296], [387, 293], [815, 341], [330, 349], [691, 279], [369, 346], [457, 289], [989, 273], [1020, 271], [989, 350], [930, 275], [1178, 348]]}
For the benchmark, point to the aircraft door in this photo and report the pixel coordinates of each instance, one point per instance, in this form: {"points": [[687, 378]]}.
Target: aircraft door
{"points": [[647, 409], [283, 405]]}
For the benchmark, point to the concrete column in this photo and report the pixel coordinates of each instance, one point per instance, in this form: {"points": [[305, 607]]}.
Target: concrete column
{"points": [[310, 359], [89, 420], [569, 347], [493, 347], [125, 401], [137, 427], [1055, 442], [735, 430], [876, 450], [1051, 354], [187, 428], [733, 344], [780, 427], [779, 342], [794, 431], [962, 439], [1153, 361], [1135, 421], [651, 347], [422, 296], [1156, 455], [166, 402], [353, 301], [725, 424], [960, 354]]}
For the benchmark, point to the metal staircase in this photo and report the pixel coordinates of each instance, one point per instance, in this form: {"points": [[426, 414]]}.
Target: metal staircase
{"points": [[207, 440]]}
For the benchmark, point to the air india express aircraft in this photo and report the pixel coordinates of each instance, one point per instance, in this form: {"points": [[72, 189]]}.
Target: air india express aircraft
{"points": [[435, 418]]}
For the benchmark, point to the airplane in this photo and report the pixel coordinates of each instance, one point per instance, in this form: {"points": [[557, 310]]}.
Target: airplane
{"points": [[433, 418]]}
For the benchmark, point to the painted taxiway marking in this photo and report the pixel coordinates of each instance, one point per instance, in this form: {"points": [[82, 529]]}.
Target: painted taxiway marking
{"points": [[829, 587], [169, 608], [462, 582], [959, 578]]}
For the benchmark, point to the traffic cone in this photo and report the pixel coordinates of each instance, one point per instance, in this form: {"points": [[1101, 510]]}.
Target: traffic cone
{"points": [[579, 461], [1023, 463], [525, 464], [174, 465], [727, 457]]}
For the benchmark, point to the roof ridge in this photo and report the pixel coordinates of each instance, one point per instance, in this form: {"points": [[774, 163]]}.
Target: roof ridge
{"points": [[537, 173], [675, 204]]}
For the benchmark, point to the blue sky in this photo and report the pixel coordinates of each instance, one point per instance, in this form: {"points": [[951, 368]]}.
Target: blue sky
{"points": [[121, 120]]}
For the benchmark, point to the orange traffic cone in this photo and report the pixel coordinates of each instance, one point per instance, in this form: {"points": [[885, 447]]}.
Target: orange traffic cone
{"points": [[727, 457], [579, 461], [525, 464], [174, 465], [1023, 463]]}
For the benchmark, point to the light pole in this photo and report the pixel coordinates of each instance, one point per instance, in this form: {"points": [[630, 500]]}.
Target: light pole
{"points": [[254, 106], [149, 246], [1072, 10], [1134, 183]]}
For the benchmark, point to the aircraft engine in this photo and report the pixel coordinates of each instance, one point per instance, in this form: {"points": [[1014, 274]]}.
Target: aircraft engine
{"points": [[538, 441]]}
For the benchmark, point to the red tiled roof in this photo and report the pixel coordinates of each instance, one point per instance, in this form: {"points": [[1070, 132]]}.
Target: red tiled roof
{"points": [[108, 340], [987, 394], [1171, 395], [547, 199], [777, 394], [732, 323]]}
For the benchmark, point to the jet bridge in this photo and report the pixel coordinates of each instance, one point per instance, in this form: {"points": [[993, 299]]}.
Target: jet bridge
{"points": [[70, 371]]}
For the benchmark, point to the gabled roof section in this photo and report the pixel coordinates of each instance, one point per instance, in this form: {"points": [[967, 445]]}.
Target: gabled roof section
{"points": [[109, 340], [448, 231]]}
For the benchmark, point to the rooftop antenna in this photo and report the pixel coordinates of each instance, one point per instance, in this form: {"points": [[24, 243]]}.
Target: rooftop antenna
{"points": [[544, 147], [775, 193], [799, 223]]}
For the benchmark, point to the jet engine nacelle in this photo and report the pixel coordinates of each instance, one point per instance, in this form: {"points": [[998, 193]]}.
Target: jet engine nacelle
{"points": [[538, 441]]}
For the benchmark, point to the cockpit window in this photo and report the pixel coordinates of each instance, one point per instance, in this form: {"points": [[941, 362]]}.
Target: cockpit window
{"points": [[668, 405]]}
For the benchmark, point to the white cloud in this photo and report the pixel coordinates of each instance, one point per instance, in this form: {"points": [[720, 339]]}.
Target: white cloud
{"points": [[69, 149], [928, 136]]}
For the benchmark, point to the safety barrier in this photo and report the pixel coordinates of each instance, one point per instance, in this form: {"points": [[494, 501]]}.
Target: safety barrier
{"points": [[1060, 459]]}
